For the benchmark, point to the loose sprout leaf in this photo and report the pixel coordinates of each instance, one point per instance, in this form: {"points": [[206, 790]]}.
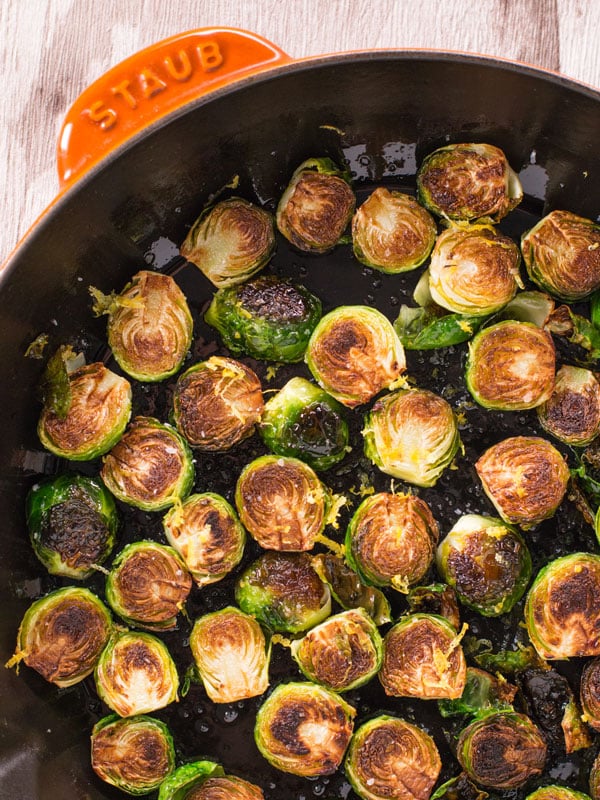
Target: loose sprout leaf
{"points": [[420, 329], [349, 591], [576, 329], [55, 388], [37, 346]]}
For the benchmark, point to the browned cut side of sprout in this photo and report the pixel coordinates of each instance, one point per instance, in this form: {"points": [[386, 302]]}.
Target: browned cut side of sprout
{"points": [[225, 787], [595, 779], [572, 412], [589, 693]]}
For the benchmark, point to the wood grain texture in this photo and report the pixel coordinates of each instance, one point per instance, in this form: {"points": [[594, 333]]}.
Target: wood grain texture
{"points": [[50, 50]]}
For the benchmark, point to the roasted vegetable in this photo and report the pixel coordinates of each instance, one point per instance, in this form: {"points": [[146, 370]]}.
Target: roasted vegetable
{"points": [[595, 779], [437, 598], [572, 412], [206, 780], [589, 693], [483, 691], [459, 788], [348, 590], [423, 329], [577, 329], [553, 792]]}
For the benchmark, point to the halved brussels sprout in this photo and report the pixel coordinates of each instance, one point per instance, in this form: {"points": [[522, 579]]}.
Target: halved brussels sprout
{"points": [[151, 467], [595, 779], [149, 326], [483, 691], [282, 503], [342, 653], [511, 366], [304, 422], [437, 598], [392, 232], [589, 693], [304, 729], [148, 585], [217, 403], [468, 181], [422, 328], [206, 780], [459, 788], [134, 754], [390, 758], [63, 634], [487, 562], [562, 611], [391, 540], [411, 434], [423, 658], [525, 477], [562, 255], [354, 353], [135, 674], [554, 792], [97, 414], [231, 655], [502, 750], [474, 270], [72, 522], [230, 241], [316, 206], [572, 412], [284, 592], [348, 590], [205, 531], [267, 318]]}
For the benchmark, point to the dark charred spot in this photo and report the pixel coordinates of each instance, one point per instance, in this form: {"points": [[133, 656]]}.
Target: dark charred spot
{"points": [[76, 621], [430, 600], [138, 656], [285, 725], [546, 694], [75, 531], [578, 593], [317, 431], [270, 298]]}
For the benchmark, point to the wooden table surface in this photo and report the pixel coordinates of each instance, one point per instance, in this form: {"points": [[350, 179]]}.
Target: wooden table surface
{"points": [[50, 50]]}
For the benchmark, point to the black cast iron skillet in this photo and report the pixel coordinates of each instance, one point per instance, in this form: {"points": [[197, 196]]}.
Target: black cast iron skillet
{"points": [[380, 110]]}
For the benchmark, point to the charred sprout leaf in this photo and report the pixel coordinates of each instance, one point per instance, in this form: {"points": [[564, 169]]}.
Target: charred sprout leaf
{"points": [[354, 353], [562, 255], [316, 207], [437, 598], [530, 306], [576, 734], [391, 758], [525, 477], [151, 467], [572, 412], [342, 653], [231, 655], [576, 329], [304, 729], [217, 403], [562, 612], [284, 592], [421, 329], [483, 691], [148, 585], [268, 318], [392, 232], [205, 531], [511, 366], [554, 792], [93, 420], [230, 241], [468, 181], [62, 635], [459, 788], [72, 522], [134, 754], [135, 674], [411, 434], [206, 780], [589, 693]]}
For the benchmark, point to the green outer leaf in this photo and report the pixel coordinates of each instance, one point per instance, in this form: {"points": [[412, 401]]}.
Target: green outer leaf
{"points": [[182, 780], [55, 388], [556, 792], [419, 329], [480, 694]]}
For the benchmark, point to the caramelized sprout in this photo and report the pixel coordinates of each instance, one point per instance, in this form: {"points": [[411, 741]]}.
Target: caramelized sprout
{"points": [[348, 590], [459, 788], [595, 779], [354, 353], [206, 780], [572, 412], [589, 693], [304, 729], [554, 792], [437, 598], [230, 241], [483, 691]]}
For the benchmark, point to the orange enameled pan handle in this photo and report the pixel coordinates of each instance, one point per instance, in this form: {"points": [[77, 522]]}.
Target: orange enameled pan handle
{"points": [[153, 83]]}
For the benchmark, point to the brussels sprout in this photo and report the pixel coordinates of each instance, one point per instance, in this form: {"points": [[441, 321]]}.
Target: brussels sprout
{"points": [[459, 788], [134, 754], [62, 635], [348, 590], [468, 181], [501, 750], [217, 403], [572, 412], [342, 653], [487, 562], [562, 255], [525, 477], [282, 503], [284, 592], [316, 206], [354, 353], [474, 270], [206, 780], [589, 693], [511, 366], [391, 540], [268, 318], [392, 232], [554, 792], [390, 758], [148, 585], [534, 307], [423, 658], [304, 729], [422, 329], [411, 434], [575, 329], [149, 326], [72, 522], [594, 780], [437, 598], [483, 691], [135, 674], [151, 467], [304, 422], [231, 655], [230, 241], [562, 611], [98, 412], [205, 531]]}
